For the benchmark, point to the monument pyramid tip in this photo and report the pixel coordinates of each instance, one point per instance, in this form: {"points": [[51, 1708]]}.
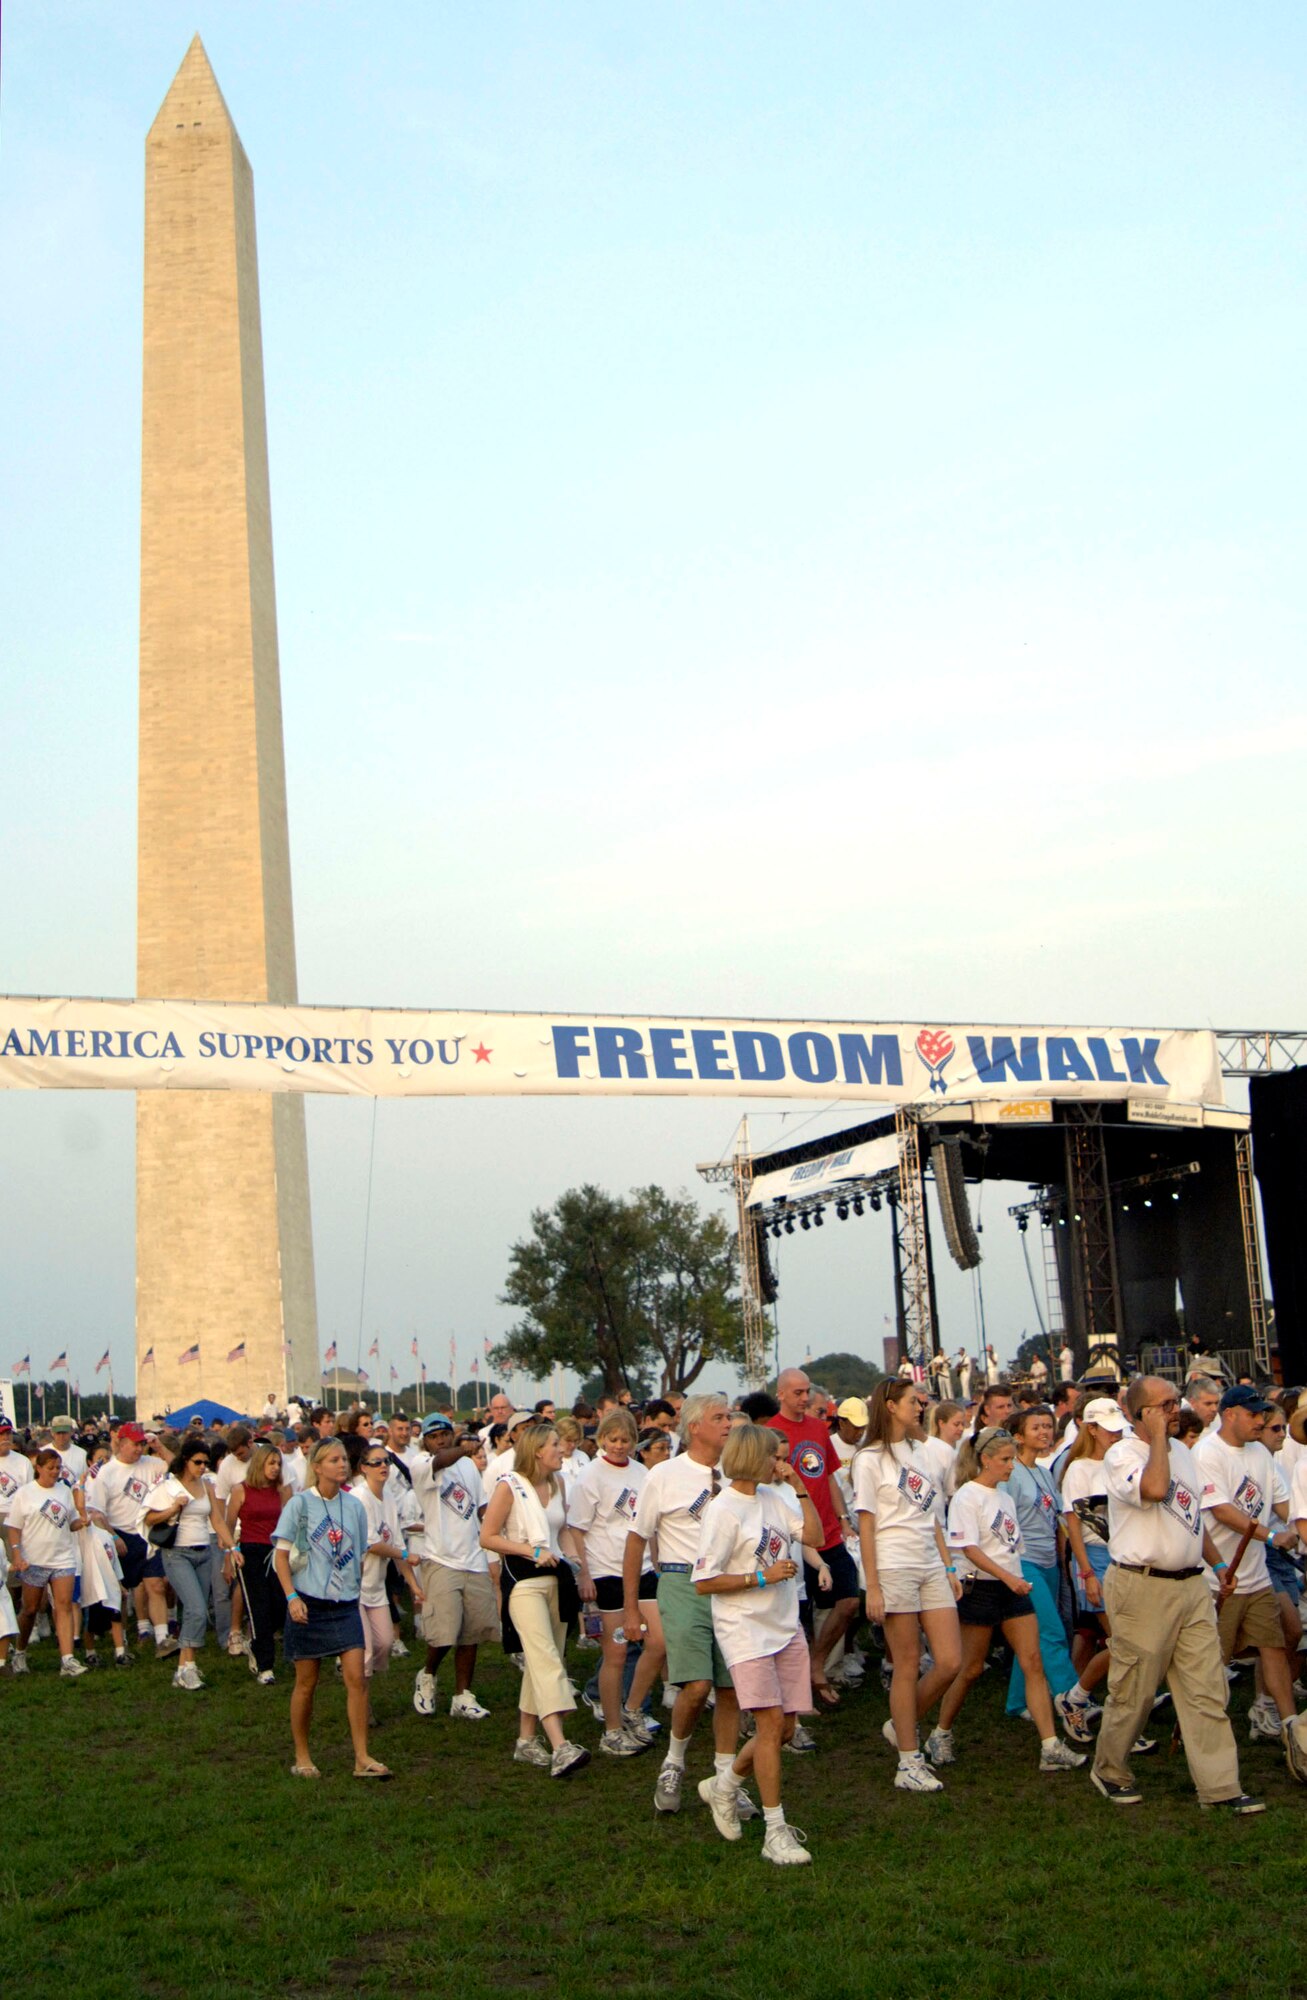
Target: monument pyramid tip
{"points": [[194, 92]]}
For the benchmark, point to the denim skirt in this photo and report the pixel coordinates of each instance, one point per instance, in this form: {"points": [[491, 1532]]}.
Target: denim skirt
{"points": [[334, 1626]]}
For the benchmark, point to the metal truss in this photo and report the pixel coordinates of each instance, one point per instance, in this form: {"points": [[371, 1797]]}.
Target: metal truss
{"points": [[1252, 1252], [751, 1302], [1095, 1291], [1260, 1051], [912, 1261]]}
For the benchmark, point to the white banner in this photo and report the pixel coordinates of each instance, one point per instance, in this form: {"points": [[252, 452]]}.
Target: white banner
{"points": [[874, 1156], [373, 1052]]}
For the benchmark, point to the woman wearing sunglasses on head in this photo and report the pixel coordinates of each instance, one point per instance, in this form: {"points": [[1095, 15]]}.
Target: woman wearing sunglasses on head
{"points": [[383, 1496]]}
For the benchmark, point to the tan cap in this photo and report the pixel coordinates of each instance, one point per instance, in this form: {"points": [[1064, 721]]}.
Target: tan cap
{"points": [[854, 1411]]}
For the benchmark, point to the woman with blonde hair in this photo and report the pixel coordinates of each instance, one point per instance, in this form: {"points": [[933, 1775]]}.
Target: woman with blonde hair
{"points": [[253, 1511], [600, 1511], [984, 1535], [525, 1525], [325, 1530], [744, 1565], [910, 1581]]}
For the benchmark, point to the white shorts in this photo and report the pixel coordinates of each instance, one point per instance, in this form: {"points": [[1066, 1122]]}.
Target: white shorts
{"points": [[917, 1587]]}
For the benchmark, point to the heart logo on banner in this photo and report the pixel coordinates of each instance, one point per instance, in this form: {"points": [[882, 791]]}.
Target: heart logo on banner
{"points": [[936, 1048]]}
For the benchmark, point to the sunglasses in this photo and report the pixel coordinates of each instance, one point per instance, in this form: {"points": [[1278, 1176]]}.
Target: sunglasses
{"points": [[368, 1463]]}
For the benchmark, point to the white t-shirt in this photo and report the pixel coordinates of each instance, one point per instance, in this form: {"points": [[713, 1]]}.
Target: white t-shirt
{"points": [[231, 1473], [1084, 1494], [520, 1526], [383, 1526], [1298, 1493], [573, 1470], [602, 1505], [671, 1506], [897, 1485], [452, 1501], [15, 1471], [497, 1465], [793, 1506], [741, 1534], [1166, 1532], [984, 1518], [74, 1464], [194, 1522], [1241, 1476], [942, 1458], [45, 1515], [119, 1493]]}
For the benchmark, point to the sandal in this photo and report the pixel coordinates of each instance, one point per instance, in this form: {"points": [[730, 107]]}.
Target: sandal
{"points": [[825, 1694], [305, 1771], [374, 1770]]}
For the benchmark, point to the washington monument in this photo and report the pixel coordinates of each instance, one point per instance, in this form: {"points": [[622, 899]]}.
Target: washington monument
{"points": [[224, 1254]]}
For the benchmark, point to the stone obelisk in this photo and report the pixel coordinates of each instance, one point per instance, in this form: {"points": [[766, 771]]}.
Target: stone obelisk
{"points": [[224, 1251]]}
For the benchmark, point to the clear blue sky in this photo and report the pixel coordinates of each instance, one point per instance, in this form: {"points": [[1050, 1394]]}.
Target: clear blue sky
{"points": [[777, 511]]}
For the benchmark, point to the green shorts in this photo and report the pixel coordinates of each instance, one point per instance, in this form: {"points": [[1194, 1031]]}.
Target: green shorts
{"points": [[692, 1652]]}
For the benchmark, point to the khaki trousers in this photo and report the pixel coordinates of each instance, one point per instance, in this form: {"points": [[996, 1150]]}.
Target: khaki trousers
{"points": [[1166, 1630], [545, 1689]]}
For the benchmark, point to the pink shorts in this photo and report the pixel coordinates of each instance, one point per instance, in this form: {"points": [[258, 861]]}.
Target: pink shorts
{"points": [[777, 1680]]}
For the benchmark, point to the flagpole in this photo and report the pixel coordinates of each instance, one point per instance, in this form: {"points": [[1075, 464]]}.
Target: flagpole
{"points": [[111, 1390]]}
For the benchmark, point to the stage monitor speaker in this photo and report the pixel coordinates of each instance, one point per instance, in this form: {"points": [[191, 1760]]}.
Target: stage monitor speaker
{"points": [[1279, 1125]]}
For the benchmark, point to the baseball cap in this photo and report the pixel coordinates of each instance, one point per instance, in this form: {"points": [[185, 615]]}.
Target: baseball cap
{"points": [[521, 1417], [133, 1432], [436, 1424], [1109, 1416], [854, 1411], [5, 1424], [1244, 1397]]}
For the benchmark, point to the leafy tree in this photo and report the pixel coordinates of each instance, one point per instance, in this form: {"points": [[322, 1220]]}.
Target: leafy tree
{"points": [[614, 1289], [843, 1374]]}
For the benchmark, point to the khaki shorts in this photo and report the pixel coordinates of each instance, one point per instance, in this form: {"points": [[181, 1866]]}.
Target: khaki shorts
{"points": [[1252, 1620], [460, 1607], [920, 1587]]}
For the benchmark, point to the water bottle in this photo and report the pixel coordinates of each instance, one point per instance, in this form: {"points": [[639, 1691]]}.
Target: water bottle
{"points": [[594, 1624]]}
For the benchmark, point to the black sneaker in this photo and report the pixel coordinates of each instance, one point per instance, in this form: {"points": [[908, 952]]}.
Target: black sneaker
{"points": [[1116, 1795], [1243, 1806]]}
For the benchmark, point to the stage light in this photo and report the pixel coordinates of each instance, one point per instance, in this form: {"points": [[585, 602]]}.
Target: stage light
{"points": [[1046, 1216], [1147, 1203], [842, 1210], [857, 1204], [805, 1222], [776, 1229], [819, 1217], [1175, 1194], [789, 1225], [1023, 1223], [875, 1204], [1125, 1208]]}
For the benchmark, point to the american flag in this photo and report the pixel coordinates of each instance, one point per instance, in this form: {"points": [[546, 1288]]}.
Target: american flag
{"points": [[191, 1354], [374, 1352], [237, 1352], [23, 1367], [414, 1348], [103, 1362], [60, 1361], [363, 1378], [476, 1366], [330, 1355], [147, 1359], [394, 1372], [424, 1371]]}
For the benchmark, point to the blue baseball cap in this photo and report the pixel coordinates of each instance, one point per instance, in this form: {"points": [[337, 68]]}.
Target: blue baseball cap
{"points": [[1244, 1397], [436, 1424]]}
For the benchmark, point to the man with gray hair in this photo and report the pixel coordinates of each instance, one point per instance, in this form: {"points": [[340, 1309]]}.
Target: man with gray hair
{"points": [[812, 1453], [671, 1506], [1203, 1395]]}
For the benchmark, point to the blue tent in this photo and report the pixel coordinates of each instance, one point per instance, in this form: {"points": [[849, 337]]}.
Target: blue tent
{"points": [[209, 1413]]}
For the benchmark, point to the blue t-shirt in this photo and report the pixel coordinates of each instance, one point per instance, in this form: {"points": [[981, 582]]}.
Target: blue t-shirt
{"points": [[336, 1532], [1038, 1509]]}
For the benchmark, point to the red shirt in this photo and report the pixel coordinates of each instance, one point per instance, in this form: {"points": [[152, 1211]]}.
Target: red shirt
{"points": [[813, 1456]]}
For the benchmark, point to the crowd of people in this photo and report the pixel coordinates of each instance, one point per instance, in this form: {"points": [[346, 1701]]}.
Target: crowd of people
{"points": [[1132, 1547]]}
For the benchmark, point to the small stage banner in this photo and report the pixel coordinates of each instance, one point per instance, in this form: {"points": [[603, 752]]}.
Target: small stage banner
{"points": [[57, 1044]]}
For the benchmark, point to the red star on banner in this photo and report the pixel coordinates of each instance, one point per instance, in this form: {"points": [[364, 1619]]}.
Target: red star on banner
{"points": [[482, 1053]]}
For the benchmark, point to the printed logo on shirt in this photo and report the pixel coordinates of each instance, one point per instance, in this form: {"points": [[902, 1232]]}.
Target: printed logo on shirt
{"points": [[137, 1490], [1248, 1496], [338, 1542], [696, 1507], [626, 1502], [56, 1510], [455, 1496], [1048, 1503], [1005, 1528], [771, 1546], [809, 1460], [916, 1487], [1182, 1503], [8, 1484]]}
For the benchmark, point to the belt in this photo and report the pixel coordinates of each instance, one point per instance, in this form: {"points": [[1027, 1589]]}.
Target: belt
{"points": [[675, 1569], [1151, 1569]]}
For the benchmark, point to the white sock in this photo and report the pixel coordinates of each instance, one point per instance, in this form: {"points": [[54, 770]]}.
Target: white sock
{"points": [[1048, 1742], [1078, 1694], [676, 1749], [909, 1757], [67, 1658], [722, 1761], [160, 1634], [773, 1816], [724, 1770]]}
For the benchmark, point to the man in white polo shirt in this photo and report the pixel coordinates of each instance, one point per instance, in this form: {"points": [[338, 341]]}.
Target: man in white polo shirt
{"points": [[1160, 1606], [15, 1469], [1241, 1475], [459, 1608]]}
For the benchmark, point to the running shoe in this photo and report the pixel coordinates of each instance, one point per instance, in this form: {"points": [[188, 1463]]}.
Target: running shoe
{"points": [[744, 1805], [616, 1743], [801, 1741], [1143, 1746], [915, 1775], [71, 1669], [398, 1650], [639, 1726], [530, 1750], [188, 1677], [236, 1646], [723, 1803], [167, 1647], [784, 1845], [18, 1662], [124, 1657], [667, 1791], [1264, 1722], [1116, 1795], [1294, 1734], [1055, 1756], [567, 1758], [939, 1747], [1074, 1716], [267, 1678], [1243, 1805], [93, 1659], [467, 1708], [594, 1705], [424, 1692]]}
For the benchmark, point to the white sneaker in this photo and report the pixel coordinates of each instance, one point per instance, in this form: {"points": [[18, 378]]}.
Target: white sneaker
{"points": [[1075, 1718], [267, 1678], [915, 1775], [71, 1669], [640, 1727], [530, 1750], [1056, 1756], [237, 1647], [667, 1791], [616, 1743], [424, 1693], [1293, 1733], [722, 1803], [890, 1734], [465, 1705], [188, 1677], [939, 1747], [745, 1807], [568, 1757], [802, 1739], [1264, 1722], [784, 1845], [18, 1662], [398, 1650]]}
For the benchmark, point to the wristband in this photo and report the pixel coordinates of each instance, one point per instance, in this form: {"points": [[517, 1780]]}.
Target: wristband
{"points": [[1218, 1565], [950, 1569], [291, 1595], [762, 1581]]}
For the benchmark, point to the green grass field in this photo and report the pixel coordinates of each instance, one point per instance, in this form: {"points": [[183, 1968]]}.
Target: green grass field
{"points": [[154, 1843]]}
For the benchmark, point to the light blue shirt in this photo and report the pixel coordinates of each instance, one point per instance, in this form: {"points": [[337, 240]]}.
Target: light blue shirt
{"points": [[336, 1532], [1035, 1498]]}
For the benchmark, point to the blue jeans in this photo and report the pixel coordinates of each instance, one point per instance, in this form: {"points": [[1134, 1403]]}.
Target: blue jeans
{"points": [[188, 1571], [1053, 1649]]}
